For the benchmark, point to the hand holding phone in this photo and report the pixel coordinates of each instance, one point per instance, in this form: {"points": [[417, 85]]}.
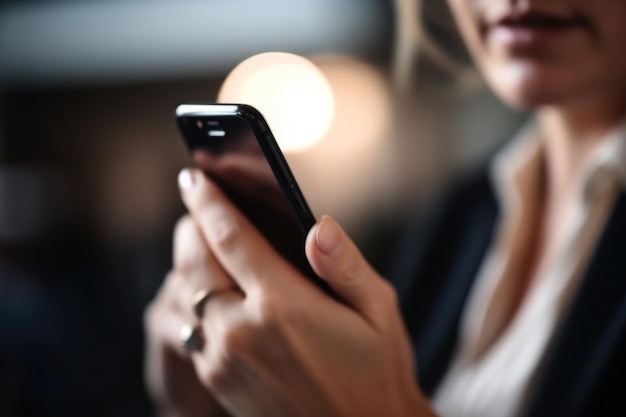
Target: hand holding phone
{"points": [[234, 147]]}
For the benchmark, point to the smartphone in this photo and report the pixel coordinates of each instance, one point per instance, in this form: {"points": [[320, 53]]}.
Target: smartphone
{"points": [[233, 145]]}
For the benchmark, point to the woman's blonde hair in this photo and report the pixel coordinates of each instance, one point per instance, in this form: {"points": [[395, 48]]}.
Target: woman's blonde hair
{"points": [[411, 40]]}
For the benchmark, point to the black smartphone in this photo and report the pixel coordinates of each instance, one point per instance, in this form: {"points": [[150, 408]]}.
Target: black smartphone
{"points": [[233, 145]]}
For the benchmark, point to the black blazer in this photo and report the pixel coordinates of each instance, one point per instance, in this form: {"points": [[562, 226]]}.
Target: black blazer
{"points": [[584, 373]]}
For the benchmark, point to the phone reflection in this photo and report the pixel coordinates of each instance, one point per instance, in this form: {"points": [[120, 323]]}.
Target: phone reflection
{"points": [[236, 163]]}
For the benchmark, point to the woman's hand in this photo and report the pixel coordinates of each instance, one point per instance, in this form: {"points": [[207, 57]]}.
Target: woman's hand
{"points": [[276, 345], [171, 378]]}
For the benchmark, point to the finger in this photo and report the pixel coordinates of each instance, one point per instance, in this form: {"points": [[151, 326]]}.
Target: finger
{"points": [[190, 248], [220, 325], [197, 290], [336, 259], [170, 373], [191, 251], [238, 246], [165, 324], [200, 270]]}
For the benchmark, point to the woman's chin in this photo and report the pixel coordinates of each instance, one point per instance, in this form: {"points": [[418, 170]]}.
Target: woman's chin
{"points": [[529, 88], [525, 99]]}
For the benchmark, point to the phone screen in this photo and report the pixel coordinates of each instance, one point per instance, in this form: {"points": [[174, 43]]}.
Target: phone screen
{"points": [[227, 148]]}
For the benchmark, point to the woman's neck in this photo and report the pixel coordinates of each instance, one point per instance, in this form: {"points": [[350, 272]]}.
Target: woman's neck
{"points": [[570, 135]]}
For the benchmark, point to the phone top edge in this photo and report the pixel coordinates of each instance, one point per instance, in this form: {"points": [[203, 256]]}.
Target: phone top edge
{"points": [[206, 109]]}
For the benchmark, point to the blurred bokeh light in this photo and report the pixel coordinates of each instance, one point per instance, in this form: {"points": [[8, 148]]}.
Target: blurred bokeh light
{"points": [[291, 93]]}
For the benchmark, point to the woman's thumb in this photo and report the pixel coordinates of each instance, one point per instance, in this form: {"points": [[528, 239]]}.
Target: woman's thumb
{"points": [[337, 260]]}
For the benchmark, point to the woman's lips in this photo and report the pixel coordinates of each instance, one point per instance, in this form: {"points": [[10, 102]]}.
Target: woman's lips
{"points": [[530, 31]]}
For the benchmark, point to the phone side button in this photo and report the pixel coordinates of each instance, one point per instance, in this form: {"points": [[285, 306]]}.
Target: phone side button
{"points": [[299, 199]]}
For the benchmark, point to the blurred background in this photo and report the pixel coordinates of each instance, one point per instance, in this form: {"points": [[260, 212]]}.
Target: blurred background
{"points": [[89, 155]]}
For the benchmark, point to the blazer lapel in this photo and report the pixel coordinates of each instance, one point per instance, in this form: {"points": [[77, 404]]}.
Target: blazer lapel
{"points": [[594, 325], [468, 232]]}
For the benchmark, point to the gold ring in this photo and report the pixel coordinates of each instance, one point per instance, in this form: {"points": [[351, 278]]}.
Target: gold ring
{"points": [[198, 301], [191, 337], [200, 298]]}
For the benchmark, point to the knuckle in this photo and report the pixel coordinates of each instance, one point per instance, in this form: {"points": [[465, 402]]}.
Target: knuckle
{"points": [[270, 312], [184, 270], [155, 309], [169, 287], [182, 227], [275, 313], [184, 233], [169, 282], [183, 222]]}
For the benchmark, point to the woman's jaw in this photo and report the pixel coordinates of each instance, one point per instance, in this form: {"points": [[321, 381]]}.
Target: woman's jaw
{"points": [[563, 53]]}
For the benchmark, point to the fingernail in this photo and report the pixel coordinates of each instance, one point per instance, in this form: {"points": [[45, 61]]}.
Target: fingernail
{"points": [[185, 179], [328, 236]]}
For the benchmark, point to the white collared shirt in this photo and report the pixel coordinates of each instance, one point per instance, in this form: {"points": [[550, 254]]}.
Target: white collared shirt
{"points": [[502, 344]]}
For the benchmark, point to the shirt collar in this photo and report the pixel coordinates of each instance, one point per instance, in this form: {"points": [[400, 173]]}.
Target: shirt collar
{"points": [[517, 170], [606, 164]]}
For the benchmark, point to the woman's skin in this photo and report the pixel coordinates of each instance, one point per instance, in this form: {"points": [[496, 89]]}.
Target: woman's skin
{"points": [[275, 344]]}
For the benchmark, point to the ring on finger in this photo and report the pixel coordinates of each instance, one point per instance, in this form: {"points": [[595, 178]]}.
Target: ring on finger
{"points": [[192, 337], [198, 301], [201, 297]]}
